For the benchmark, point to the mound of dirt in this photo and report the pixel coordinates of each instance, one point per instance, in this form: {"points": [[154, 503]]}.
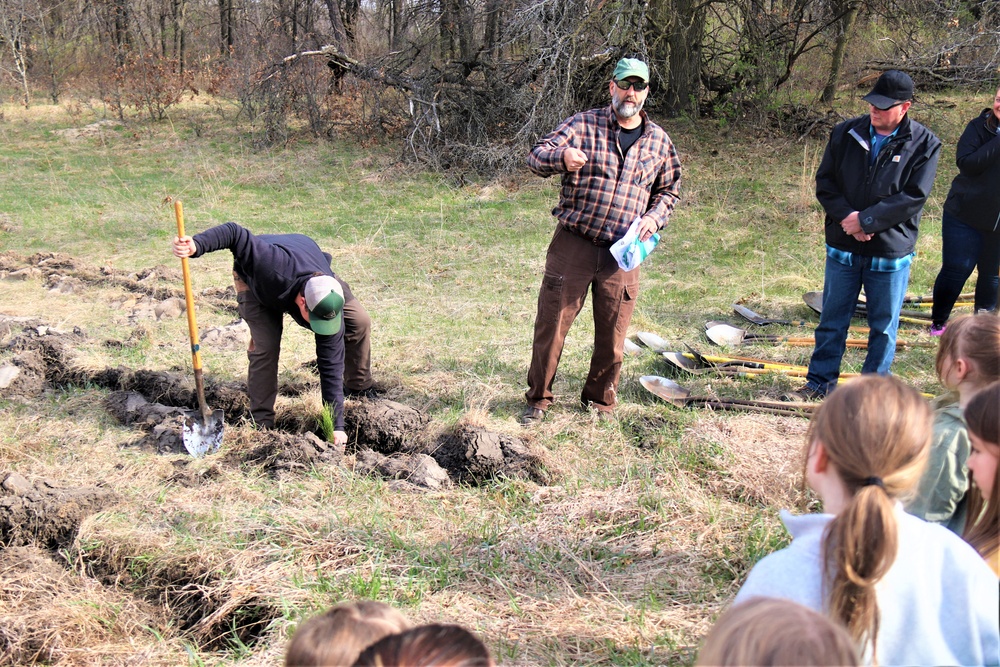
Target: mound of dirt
{"points": [[475, 455], [44, 513], [280, 453], [385, 426], [41, 355], [418, 470]]}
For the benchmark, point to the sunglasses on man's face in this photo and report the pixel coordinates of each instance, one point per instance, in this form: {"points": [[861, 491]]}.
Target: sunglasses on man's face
{"points": [[638, 86]]}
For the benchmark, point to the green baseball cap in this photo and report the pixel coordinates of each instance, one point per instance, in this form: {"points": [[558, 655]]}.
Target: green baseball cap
{"points": [[325, 303], [627, 67]]}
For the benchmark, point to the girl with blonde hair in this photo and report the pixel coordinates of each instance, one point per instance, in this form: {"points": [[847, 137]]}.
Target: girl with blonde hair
{"points": [[908, 592], [967, 360], [776, 633]]}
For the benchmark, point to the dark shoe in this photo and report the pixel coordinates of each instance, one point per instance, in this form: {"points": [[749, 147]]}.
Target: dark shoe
{"points": [[532, 416], [804, 394], [938, 329]]}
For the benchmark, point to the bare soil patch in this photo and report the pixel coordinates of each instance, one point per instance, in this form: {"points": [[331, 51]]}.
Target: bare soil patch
{"points": [[44, 512]]}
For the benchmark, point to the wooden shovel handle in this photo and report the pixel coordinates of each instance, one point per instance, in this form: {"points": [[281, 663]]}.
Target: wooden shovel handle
{"points": [[188, 294], [199, 382]]}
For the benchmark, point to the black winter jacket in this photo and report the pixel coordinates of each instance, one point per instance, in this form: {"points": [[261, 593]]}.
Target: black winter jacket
{"points": [[275, 267], [888, 195], [974, 197]]}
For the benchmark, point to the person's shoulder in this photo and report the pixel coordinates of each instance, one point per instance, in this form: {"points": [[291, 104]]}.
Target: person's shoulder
{"points": [[922, 133], [934, 537], [845, 126], [656, 130], [591, 115]]}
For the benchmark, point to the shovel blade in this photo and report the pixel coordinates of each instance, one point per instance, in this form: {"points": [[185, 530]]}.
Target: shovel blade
{"points": [[748, 314], [631, 349], [202, 437], [652, 341], [680, 361], [814, 300], [666, 389], [723, 334]]}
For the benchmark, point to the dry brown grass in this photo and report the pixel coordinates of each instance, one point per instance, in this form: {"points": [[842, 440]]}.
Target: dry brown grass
{"points": [[640, 538]]}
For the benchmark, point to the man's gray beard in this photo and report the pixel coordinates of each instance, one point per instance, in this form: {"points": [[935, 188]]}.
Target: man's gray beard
{"points": [[626, 109]]}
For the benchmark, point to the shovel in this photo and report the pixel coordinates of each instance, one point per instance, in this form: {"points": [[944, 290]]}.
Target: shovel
{"points": [[915, 300], [815, 301], [725, 334], [673, 393], [202, 434], [652, 341], [751, 316], [748, 314], [687, 364]]}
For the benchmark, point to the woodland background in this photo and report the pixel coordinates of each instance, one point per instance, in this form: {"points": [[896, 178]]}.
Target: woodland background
{"points": [[469, 84]]}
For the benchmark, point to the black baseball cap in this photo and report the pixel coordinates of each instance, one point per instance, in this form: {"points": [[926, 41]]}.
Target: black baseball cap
{"points": [[892, 88]]}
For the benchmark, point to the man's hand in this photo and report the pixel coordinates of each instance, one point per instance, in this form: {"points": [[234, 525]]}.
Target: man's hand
{"points": [[184, 246], [574, 159], [339, 438], [861, 236], [646, 229], [851, 224]]}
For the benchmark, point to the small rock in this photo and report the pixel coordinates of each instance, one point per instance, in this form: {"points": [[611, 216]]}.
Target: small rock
{"points": [[7, 375], [170, 308], [16, 484]]}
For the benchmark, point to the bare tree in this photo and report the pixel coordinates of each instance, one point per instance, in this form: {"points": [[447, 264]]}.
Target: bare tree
{"points": [[16, 38]]}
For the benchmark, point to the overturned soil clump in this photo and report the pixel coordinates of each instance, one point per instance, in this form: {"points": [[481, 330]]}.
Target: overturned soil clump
{"points": [[411, 471], [282, 453], [475, 455], [382, 425], [45, 513]]}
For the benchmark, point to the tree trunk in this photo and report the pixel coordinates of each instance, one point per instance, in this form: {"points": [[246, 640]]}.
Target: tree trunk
{"points": [[844, 27], [225, 27], [683, 22], [491, 32]]}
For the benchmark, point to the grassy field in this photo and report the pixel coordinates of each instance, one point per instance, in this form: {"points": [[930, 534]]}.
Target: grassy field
{"points": [[649, 523]]}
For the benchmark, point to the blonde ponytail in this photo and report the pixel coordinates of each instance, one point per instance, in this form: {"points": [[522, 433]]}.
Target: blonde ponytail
{"points": [[876, 432]]}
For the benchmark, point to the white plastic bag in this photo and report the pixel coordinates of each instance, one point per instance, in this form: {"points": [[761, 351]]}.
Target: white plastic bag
{"points": [[629, 251]]}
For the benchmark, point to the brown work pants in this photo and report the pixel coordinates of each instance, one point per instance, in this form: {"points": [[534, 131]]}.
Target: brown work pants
{"points": [[573, 266], [266, 326]]}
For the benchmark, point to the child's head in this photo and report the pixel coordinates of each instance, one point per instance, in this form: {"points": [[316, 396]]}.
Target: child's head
{"points": [[771, 631], [972, 340], [338, 636], [873, 434], [982, 415], [428, 646], [874, 428]]}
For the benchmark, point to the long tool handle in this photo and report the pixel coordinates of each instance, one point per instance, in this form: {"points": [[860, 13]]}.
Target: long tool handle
{"points": [[965, 296], [850, 342], [789, 410], [199, 381]]}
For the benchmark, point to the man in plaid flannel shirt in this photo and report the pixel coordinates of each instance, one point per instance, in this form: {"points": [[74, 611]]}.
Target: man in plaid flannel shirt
{"points": [[616, 165]]}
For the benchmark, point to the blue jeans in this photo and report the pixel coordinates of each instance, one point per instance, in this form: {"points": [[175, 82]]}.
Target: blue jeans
{"points": [[842, 284], [963, 249]]}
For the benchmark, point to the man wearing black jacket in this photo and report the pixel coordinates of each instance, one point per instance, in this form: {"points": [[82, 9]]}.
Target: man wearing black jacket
{"points": [[875, 176], [277, 274]]}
